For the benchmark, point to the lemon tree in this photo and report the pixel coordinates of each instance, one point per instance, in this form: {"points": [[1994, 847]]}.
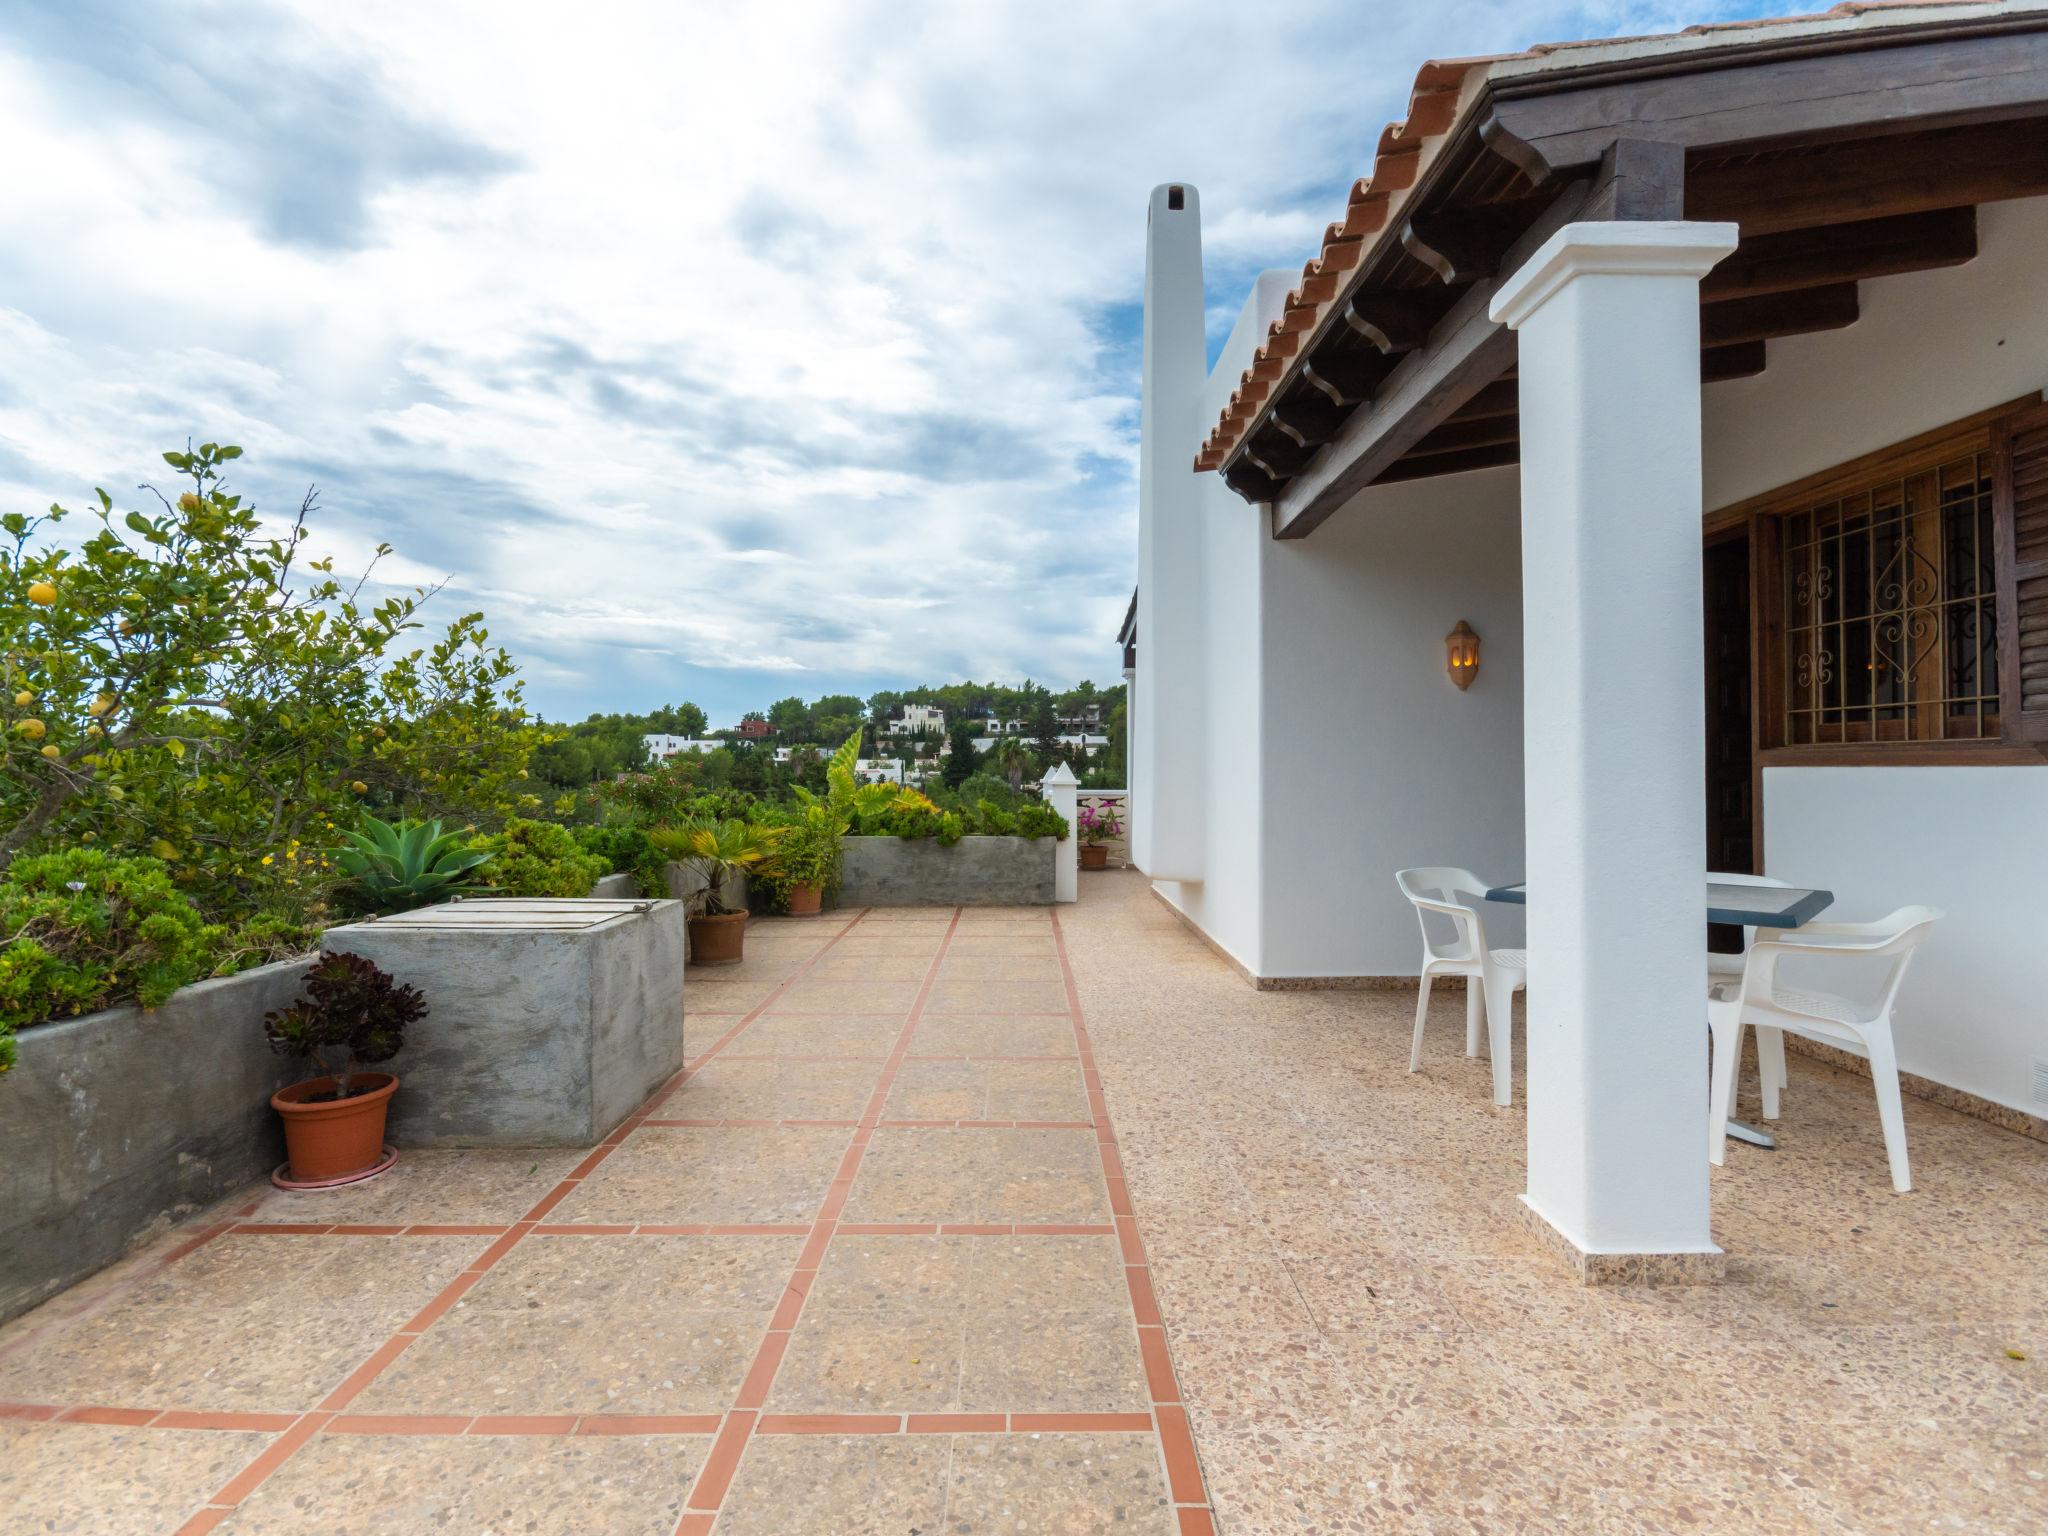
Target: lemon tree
{"points": [[185, 682]]}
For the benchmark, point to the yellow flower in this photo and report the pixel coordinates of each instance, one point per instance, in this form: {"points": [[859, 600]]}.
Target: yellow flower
{"points": [[266, 858]]}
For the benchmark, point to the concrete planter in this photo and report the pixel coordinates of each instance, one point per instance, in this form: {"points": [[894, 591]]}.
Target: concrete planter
{"points": [[115, 1125], [976, 871], [551, 1020]]}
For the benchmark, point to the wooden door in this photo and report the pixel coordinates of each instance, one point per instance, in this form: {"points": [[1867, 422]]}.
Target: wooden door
{"points": [[1731, 813]]}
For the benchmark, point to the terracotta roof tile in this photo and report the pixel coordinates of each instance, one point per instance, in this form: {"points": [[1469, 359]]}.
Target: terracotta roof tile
{"points": [[1441, 89]]}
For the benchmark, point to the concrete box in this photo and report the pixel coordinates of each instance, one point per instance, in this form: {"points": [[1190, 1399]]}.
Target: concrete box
{"points": [[116, 1125], [550, 1021], [976, 871]]}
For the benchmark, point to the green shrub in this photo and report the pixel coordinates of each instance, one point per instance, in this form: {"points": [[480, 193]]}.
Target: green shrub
{"points": [[628, 851], [1037, 819], [540, 858], [85, 929], [261, 940], [807, 852]]}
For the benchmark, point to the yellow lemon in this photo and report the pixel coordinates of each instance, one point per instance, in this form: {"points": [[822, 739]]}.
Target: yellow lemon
{"points": [[52, 752], [360, 787], [104, 704], [32, 728], [42, 592], [23, 699], [93, 730]]}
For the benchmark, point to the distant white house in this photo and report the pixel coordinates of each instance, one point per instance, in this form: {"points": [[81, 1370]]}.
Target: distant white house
{"points": [[1065, 739], [660, 747], [878, 770], [916, 719]]}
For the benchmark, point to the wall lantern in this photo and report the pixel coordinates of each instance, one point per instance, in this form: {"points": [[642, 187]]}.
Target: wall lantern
{"points": [[1461, 648]]}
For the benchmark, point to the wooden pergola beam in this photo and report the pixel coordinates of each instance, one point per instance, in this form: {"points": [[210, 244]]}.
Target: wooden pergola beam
{"points": [[1797, 313], [1810, 258]]}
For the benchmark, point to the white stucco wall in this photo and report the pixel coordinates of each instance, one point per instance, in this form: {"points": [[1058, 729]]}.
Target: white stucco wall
{"points": [[1972, 841], [1929, 347], [1232, 543], [1374, 761]]}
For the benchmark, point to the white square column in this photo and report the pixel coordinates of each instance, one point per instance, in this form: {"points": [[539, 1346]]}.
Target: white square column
{"points": [[1614, 741]]}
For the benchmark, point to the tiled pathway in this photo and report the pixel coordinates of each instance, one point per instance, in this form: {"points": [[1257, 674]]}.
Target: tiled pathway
{"points": [[871, 1270], [869, 1266]]}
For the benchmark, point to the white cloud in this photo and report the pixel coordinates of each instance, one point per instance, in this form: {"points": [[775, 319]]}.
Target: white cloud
{"points": [[742, 339]]}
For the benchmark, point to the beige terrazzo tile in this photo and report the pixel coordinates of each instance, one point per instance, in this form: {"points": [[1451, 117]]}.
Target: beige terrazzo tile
{"points": [[840, 994], [941, 1034], [107, 1481], [775, 1090], [833, 1485], [552, 1275], [496, 1184], [1061, 1362], [833, 965], [643, 1358], [1058, 1485], [708, 994], [920, 1276], [680, 1175], [872, 1037], [871, 1361], [957, 967], [986, 996]]}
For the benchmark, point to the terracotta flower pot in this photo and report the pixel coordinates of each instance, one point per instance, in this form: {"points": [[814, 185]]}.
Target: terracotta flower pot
{"points": [[335, 1137], [718, 940], [1095, 855], [805, 900]]}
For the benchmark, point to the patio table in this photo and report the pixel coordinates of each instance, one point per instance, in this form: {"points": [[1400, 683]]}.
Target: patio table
{"points": [[1742, 906]]}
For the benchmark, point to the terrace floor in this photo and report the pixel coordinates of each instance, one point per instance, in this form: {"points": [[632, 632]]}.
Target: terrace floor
{"points": [[1001, 1222]]}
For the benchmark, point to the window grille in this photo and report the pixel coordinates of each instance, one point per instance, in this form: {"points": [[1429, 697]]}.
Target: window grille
{"points": [[1891, 611]]}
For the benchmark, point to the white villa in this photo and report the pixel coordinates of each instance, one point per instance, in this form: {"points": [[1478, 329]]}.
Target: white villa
{"points": [[916, 720], [1701, 377], [661, 747]]}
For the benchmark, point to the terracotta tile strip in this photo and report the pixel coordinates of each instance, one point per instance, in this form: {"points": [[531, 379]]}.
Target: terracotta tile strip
{"points": [[956, 1423], [30, 1411], [715, 1477], [829, 1424], [399, 1424], [648, 1424], [177, 1418], [131, 1418], [1169, 1418], [287, 1444], [523, 1424]]}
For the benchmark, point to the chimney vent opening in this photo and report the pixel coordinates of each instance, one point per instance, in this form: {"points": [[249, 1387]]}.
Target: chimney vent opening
{"points": [[1176, 198]]}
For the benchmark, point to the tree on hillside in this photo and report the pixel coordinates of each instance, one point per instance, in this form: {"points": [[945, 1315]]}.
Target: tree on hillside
{"points": [[669, 720], [1011, 760], [791, 719], [961, 757], [1044, 725]]}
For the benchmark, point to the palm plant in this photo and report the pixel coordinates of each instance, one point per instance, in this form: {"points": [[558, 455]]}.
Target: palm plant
{"points": [[717, 850], [1013, 760], [398, 866]]}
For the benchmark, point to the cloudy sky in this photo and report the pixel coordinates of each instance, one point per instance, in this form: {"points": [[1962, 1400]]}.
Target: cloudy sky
{"points": [[715, 351]]}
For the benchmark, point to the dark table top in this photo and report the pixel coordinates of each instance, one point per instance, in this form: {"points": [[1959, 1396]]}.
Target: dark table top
{"points": [[1747, 906]]}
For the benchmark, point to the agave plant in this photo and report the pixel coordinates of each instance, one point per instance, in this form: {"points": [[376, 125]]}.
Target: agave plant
{"points": [[396, 867], [717, 850]]}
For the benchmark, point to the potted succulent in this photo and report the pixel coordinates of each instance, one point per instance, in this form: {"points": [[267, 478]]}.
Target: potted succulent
{"points": [[717, 850], [1100, 826], [807, 860], [353, 1015]]}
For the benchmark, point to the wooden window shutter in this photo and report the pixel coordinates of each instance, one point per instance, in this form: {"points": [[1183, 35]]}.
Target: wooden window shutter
{"points": [[2020, 498]]}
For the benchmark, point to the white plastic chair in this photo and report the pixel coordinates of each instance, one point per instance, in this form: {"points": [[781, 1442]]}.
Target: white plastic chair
{"points": [[1770, 1043], [1757, 998], [1500, 973]]}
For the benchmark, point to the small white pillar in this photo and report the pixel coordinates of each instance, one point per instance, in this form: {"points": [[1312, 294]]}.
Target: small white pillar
{"points": [[1062, 791], [1614, 738]]}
